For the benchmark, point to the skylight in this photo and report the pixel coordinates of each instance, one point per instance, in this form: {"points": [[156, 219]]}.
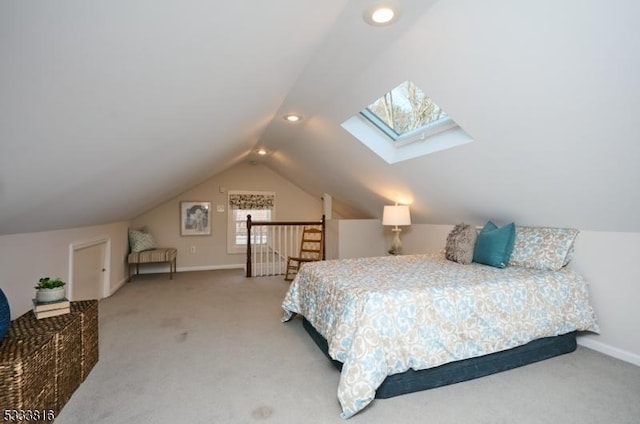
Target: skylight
{"points": [[405, 123], [403, 110]]}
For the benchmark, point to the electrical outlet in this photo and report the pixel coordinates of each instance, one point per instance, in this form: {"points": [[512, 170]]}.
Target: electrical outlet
{"points": [[193, 249]]}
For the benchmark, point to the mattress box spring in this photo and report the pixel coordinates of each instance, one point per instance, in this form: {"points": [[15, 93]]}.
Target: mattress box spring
{"points": [[467, 369]]}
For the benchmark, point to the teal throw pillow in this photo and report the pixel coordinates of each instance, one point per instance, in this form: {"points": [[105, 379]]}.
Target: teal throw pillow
{"points": [[494, 245]]}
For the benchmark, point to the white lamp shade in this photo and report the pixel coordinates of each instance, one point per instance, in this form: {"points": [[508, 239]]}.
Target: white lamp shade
{"points": [[396, 215]]}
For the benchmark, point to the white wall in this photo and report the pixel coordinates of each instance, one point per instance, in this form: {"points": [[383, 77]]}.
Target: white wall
{"points": [[360, 238], [163, 221], [368, 237], [24, 258], [423, 238], [608, 260], [332, 241]]}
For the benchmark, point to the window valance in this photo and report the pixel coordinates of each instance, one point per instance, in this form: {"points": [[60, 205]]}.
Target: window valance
{"points": [[252, 201]]}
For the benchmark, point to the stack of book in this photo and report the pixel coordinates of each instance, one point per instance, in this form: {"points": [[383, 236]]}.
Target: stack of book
{"points": [[51, 309]]}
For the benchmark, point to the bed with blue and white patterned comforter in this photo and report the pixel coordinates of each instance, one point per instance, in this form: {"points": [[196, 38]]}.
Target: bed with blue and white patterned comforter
{"points": [[385, 315]]}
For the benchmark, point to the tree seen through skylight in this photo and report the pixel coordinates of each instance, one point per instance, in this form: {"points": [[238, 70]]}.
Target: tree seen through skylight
{"points": [[406, 108]]}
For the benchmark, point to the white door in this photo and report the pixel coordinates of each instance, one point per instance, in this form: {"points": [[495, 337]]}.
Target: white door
{"points": [[89, 272]]}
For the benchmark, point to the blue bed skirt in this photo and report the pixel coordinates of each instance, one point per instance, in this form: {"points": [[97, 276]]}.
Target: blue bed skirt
{"points": [[467, 369]]}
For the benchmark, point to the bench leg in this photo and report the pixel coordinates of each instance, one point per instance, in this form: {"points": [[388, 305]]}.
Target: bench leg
{"points": [[173, 268]]}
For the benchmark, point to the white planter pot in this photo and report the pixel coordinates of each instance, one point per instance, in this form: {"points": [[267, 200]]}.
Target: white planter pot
{"points": [[50, 295]]}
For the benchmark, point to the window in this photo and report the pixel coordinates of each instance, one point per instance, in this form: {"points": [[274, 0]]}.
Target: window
{"points": [[404, 110], [398, 125], [260, 205]]}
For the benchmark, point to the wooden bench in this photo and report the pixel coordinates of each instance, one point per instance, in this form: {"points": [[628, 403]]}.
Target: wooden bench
{"points": [[159, 255]]}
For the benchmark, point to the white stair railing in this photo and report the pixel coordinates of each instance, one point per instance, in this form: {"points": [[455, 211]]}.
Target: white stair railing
{"points": [[269, 244]]}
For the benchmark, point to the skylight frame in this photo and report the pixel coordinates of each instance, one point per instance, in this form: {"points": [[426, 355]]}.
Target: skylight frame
{"points": [[416, 134], [405, 101], [373, 131], [380, 124]]}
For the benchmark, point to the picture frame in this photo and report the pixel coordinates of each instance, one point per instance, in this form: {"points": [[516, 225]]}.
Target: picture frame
{"points": [[195, 218]]}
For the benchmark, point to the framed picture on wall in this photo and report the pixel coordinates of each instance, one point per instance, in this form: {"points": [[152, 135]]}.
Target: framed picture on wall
{"points": [[195, 218]]}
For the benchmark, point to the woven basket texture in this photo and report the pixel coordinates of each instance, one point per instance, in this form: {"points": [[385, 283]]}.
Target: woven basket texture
{"points": [[88, 312], [66, 333], [27, 378]]}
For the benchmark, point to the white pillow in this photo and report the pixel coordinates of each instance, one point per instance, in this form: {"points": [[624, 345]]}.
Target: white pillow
{"points": [[543, 247]]}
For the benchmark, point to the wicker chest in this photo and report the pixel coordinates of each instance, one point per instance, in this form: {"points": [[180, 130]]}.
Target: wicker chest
{"points": [[66, 333], [26, 375], [88, 312], [43, 361]]}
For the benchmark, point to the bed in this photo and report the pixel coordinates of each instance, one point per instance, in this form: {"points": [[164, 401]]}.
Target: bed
{"points": [[397, 324]]}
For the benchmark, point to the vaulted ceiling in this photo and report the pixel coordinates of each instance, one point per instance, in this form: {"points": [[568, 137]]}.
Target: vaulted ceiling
{"points": [[108, 108]]}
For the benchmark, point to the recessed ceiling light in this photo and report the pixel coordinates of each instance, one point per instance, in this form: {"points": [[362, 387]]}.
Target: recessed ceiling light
{"points": [[261, 152], [292, 117], [380, 15]]}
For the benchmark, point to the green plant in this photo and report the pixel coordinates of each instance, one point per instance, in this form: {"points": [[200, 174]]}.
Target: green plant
{"points": [[50, 283]]}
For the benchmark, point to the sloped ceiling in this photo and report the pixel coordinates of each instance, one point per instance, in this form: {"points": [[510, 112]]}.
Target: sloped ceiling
{"points": [[110, 108], [549, 91]]}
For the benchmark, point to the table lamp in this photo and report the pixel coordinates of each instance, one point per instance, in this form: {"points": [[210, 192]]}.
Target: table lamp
{"points": [[396, 215]]}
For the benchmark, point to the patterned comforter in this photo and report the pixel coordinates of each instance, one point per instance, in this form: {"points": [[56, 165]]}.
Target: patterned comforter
{"points": [[384, 315]]}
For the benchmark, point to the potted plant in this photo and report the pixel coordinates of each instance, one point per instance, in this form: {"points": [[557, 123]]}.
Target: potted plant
{"points": [[50, 289]]}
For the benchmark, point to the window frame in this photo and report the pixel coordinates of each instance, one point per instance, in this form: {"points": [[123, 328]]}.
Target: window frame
{"points": [[232, 234], [372, 131], [417, 134], [398, 98]]}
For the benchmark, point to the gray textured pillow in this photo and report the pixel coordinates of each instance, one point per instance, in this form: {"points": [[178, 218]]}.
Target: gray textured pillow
{"points": [[140, 241], [460, 243]]}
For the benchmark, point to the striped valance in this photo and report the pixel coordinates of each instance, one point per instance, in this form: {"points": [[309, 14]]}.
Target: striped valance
{"points": [[252, 201]]}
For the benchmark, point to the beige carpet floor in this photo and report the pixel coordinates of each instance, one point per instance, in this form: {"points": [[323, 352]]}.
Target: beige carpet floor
{"points": [[209, 347]]}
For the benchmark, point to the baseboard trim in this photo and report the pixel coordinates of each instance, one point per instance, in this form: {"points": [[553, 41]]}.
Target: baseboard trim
{"points": [[157, 269], [210, 267], [117, 286], [606, 349]]}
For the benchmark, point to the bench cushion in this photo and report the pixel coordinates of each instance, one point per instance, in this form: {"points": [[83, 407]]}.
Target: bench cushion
{"points": [[162, 254]]}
